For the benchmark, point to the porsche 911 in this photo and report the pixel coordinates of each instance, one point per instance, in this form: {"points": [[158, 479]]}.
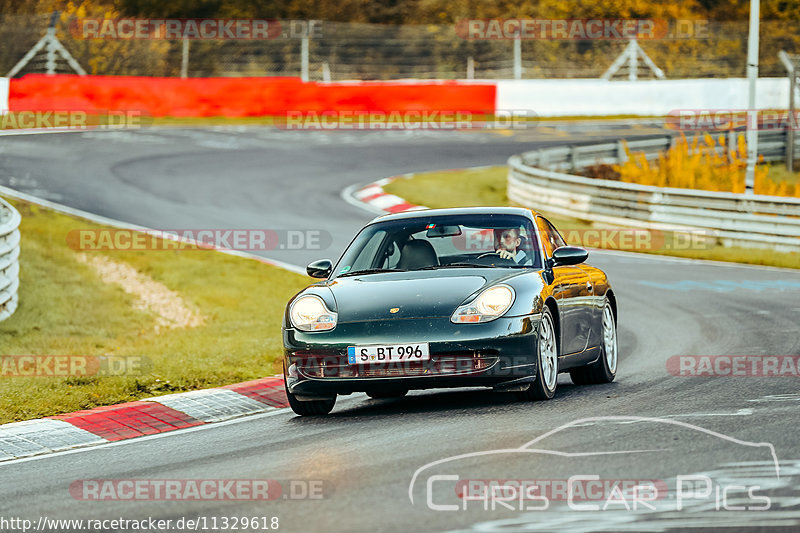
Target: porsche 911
{"points": [[439, 298]]}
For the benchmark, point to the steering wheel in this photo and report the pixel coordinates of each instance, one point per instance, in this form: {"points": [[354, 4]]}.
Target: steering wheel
{"points": [[495, 259]]}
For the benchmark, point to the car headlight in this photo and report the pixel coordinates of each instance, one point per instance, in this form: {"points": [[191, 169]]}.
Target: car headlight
{"points": [[489, 304], [309, 313]]}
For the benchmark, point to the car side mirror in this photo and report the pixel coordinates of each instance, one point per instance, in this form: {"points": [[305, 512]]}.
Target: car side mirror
{"points": [[320, 269], [569, 255]]}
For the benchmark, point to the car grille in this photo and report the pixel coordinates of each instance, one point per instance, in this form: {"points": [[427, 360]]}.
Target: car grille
{"points": [[437, 366]]}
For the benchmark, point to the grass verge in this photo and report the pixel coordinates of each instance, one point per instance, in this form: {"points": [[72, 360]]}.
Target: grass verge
{"points": [[66, 309], [487, 186]]}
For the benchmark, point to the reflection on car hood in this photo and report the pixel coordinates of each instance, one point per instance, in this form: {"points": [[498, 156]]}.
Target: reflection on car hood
{"points": [[421, 294]]}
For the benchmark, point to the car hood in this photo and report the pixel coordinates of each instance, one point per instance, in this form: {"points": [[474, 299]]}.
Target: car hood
{"points": [[420, 294]]}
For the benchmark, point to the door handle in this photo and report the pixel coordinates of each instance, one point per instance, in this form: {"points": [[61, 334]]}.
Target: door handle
{"points": [[589, 286]]}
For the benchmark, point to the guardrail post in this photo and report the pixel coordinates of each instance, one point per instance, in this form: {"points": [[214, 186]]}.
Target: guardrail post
{"points": [[542, 158], [573, 158], [732, 142], [622, 157], [673, 142]]}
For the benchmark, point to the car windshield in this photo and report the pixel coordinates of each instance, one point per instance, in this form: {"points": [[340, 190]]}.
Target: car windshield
{"points": [[440, 242]]}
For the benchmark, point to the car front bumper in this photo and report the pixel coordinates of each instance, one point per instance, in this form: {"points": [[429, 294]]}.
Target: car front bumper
{"points": [[492, 354]]}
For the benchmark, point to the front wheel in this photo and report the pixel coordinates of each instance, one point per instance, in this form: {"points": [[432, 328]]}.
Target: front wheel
{"points": [[604, 370], [544, 387], [311, 407]]}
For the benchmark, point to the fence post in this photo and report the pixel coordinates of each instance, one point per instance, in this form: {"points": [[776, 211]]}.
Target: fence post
{"points": [[185, 59], [470, 68], [633, 63], [792, 122], [518, 58], [732, 142], [304, 59]]}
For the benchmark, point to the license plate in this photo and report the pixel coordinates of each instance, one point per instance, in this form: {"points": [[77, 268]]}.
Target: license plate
{"points": [[387, 353]]}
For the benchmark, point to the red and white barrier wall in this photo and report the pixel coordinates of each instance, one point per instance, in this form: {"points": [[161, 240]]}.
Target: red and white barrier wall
{"points": [[587, 97], [241, 97]]}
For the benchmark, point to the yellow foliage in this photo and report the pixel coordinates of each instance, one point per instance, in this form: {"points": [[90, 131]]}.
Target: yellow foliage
{"points": [[705, 164], [101, 56]]}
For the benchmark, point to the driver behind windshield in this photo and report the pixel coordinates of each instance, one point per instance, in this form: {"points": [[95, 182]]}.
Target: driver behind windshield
{"points": [[507, 245]]}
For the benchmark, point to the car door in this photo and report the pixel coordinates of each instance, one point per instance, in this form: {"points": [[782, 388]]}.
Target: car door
{"points": [[571, 289], [599, 284]]}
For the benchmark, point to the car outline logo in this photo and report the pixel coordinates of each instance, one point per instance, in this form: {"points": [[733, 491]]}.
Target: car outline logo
{"points": [[622, 419]]}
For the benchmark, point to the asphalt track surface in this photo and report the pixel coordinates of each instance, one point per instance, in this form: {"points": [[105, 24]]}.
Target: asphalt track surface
{"points": [[371, 457]]}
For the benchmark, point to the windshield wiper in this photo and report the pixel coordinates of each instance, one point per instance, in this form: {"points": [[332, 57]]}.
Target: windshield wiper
{"points": [[454, 265], [371, 271]]}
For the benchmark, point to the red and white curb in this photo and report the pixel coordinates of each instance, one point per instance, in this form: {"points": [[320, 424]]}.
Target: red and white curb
{"points": [[375, 199], [136, 419]]}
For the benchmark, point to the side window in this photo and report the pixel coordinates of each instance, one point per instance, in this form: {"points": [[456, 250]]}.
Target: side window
{"points": [[367, 254], [557, 239], [550, 236], [392, 256]]}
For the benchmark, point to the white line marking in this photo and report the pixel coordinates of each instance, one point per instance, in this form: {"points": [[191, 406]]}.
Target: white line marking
{"points": [[9, 133], [740, 412]]}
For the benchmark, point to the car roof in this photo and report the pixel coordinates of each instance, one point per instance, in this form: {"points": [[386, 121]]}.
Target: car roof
{"points": [[425, 213]]}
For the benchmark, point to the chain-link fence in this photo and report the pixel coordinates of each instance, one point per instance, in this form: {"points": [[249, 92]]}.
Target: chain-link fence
{"points": [[354, 51]]}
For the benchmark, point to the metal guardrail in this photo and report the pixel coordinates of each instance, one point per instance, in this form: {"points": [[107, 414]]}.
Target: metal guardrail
{"points": [[9, 259], [536, 179]]}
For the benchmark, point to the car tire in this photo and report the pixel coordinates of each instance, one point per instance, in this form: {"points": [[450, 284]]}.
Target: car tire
{"points": [[380, 395], [311, 407], [544, 387], [604, 370]]}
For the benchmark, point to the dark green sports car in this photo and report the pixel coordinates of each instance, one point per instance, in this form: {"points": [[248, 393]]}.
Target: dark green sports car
{"points": [[484, 296]]}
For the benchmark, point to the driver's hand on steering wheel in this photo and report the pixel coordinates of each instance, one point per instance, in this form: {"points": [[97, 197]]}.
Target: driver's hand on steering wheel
{"points": [[505, 254]]}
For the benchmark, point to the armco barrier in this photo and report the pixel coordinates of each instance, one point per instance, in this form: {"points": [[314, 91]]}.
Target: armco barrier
{"points": [[736, 219], [241, 97], [771, 145], [9, 259]]}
